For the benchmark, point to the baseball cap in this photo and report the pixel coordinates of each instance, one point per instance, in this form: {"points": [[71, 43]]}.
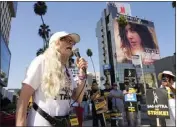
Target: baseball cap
{"points": [[166, 73], [61, 34]]}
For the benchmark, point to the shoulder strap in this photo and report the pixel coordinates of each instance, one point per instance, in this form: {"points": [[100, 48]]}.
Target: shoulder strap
{"points": [[49, 118]]}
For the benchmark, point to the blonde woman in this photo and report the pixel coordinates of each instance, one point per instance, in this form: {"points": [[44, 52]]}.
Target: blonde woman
{"points": [[51, 84]]}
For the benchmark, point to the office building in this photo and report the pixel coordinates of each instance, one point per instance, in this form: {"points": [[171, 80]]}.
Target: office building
{"points": [[11, 94], [116, 48], [8, 11], [166, 63]]}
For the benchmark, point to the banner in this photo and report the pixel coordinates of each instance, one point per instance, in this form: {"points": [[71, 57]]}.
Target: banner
{"points": [[157, 103], [129, 75], [135, 39], [100, 105], [131, 106], [131, 97]]}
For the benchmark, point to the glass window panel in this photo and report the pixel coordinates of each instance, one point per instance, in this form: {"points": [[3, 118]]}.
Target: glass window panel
{"points": [[5, 61]]}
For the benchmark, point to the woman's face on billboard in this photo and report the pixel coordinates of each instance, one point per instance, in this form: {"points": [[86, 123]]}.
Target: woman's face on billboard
{"points": [[133, 37]]}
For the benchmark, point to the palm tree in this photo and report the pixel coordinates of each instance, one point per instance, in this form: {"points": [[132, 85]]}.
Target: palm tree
{"points": [[89, 54], [44, 34], [40, 8], [174, 4], [39, 51]]}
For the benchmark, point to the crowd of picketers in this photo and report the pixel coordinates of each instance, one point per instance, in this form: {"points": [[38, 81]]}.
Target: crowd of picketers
{"points": [[115, 100]]}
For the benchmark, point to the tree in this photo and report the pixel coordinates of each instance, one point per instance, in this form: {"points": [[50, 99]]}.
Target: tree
{"points": [[122, 21], [40, 51], [174, 4], [44, 34], [40, 8], [89, 54]]}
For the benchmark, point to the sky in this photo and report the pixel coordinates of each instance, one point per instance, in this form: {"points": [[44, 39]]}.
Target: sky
{"points": [[79, 17]]}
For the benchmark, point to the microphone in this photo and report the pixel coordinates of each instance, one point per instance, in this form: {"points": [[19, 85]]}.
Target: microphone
{"points": [[77, 54]]}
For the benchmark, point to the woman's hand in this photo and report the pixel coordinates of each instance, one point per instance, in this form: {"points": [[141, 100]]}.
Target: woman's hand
{"points": [[82, 65]]}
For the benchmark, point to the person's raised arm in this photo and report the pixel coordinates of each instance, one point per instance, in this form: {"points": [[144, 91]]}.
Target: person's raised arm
{"points": [[81, 83]]}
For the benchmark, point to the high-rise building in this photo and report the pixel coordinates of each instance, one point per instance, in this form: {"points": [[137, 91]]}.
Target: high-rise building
{"points": [[118, 43], [8, 11]]}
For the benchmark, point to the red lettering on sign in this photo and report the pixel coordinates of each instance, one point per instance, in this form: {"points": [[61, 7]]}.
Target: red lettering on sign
{"points": [[122, 9]]}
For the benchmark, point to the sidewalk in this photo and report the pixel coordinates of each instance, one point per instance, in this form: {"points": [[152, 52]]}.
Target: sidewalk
{"points": [[144, 121], [88, 123]]}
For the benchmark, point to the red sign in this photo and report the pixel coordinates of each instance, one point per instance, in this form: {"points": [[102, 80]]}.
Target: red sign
{"points": [[122, 10]]}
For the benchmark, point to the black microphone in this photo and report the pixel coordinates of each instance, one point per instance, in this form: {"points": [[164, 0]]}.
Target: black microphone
{"points": [[77, 54]]}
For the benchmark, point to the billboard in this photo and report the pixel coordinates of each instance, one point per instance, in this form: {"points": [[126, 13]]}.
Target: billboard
{"points": [[149, 79], [135, 38]]}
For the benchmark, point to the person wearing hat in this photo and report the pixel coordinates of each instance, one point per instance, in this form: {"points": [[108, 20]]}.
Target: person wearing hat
{"points": [[167, 79], [51, 84]]}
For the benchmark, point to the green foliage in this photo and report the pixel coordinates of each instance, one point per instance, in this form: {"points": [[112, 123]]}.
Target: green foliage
{"points": [[44, 31], [89, 53], [40, 8], [40, 51], [10, 108], [122, 21]]}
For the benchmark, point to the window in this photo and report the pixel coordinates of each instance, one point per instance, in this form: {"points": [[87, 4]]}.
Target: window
{"points": [[107, 19], [104, 61], [5, 61]]}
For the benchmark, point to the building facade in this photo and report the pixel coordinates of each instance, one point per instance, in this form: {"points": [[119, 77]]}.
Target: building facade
{"points": [[112, 41], [8, 11], [91, 77], [10, 93]]}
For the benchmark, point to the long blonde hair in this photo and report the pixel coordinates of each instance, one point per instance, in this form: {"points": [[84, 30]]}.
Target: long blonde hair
{"points": [[53, 79]]}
